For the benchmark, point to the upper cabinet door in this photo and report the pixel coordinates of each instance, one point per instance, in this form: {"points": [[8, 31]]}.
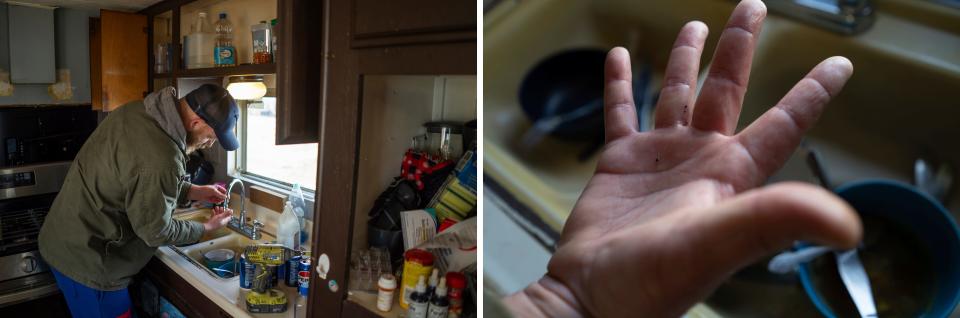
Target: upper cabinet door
{"points": [[123, 59], [32, 48], [401, 22], [300, 75]]}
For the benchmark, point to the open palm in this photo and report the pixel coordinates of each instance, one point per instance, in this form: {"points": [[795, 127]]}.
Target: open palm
{"points": [[669, 214]]}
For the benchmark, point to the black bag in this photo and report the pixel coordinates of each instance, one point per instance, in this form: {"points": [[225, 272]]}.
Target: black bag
{"points": [[383, 225]]}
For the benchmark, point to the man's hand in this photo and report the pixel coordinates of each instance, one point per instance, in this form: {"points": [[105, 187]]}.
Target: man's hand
{"points": [[219, 217], [207, 193], [669, 214]]}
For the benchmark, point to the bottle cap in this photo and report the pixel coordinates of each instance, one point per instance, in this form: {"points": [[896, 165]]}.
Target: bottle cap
{"points": [[433, 277], [442, 288], [456, 280], [421, 285], [387, 281], [223, 15]]}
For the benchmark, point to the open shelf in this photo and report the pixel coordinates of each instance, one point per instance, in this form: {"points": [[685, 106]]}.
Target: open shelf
{"points": [[243, 69]]}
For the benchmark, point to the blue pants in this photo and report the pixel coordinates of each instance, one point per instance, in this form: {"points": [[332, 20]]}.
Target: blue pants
{"points": [[86, 302]]}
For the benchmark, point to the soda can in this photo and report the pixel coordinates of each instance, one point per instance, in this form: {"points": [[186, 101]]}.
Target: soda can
{"points": [[292, 268], [303, 276], [246, 270]]}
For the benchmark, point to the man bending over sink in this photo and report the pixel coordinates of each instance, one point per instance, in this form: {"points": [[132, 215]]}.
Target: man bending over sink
{"points": [[669, 214], [116, 204]]}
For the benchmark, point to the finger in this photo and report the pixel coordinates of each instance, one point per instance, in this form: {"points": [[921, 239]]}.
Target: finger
{"points": [[225, 220], [757, 223], [619, 112], [221, 190], [678, 94], [718, 106], [772, 138]]}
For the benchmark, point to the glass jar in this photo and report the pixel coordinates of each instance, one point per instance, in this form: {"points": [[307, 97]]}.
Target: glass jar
{"points": [[445, 139]]}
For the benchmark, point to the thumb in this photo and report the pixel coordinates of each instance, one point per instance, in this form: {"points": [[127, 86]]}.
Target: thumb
{"points": [[757, 223]]}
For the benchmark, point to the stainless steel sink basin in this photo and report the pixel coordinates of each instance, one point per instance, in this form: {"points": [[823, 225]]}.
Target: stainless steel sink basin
{"points": [[899, 105]]}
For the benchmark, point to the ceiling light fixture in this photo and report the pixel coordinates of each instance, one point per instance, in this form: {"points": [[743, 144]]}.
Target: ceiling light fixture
{"points": [[247, 87]]}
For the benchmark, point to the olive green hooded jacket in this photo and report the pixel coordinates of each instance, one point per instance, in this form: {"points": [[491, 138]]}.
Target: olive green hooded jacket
{"points": [[115, 206]]}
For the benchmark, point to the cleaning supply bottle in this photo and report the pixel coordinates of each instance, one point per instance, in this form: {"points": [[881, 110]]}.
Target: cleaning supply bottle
{"points": [[419, 300], [287, 227], [439, 304], [432, 283], [299, 206]]}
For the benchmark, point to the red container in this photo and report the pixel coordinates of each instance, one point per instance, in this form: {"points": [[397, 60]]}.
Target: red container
{"points": [[456, 282]]}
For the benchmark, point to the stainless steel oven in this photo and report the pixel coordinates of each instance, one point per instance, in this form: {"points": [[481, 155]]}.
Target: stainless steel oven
{"points": [[26, 194]]}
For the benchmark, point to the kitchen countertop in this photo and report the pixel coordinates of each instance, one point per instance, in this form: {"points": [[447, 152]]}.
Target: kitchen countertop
{"points": [[225, 293]]}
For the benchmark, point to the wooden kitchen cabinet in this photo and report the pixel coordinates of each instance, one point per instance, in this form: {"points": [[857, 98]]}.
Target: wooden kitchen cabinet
{"points": [[190, 301], [118, 66], [297, 63], [368, 39]]}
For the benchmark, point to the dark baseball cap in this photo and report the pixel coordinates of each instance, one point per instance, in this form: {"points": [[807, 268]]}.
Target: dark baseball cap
{"points": [[216, 107]]}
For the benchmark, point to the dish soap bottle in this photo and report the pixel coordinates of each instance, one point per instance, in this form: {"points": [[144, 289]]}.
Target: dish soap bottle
{"points": [[440, 304], [287, 227], [419, 300]]}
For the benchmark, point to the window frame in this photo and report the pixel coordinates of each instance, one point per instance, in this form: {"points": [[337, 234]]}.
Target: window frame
{"points": [[240, 164]]}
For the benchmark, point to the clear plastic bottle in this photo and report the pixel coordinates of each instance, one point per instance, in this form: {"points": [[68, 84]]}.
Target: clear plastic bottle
{"points": [[199, 44], [288, 227], [224, 53]]}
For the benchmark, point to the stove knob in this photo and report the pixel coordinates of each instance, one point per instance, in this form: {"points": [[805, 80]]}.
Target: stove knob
{"points": [[28, 264]]}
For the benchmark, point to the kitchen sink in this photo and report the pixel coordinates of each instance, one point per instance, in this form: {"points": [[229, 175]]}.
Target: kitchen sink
{"points": [[232, 241], [223, 238], [900, 105], [549, 175]]}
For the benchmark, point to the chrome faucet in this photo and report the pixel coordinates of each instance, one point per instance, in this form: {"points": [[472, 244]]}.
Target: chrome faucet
{"points": [[843, 16], [239, 224]]}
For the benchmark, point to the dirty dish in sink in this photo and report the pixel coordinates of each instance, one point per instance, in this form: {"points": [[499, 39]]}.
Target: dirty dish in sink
{"points": [[911, 253], [221, 261]]}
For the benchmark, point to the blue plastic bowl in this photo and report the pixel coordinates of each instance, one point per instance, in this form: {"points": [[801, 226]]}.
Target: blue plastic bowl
{"points": [[920, 214]]}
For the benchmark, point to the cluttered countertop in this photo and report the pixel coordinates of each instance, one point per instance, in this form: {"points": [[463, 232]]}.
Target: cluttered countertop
{"points": [[191, 262], [225, 294]]}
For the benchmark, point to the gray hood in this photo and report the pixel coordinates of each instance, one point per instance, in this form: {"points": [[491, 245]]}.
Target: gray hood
{"points": [[162, 105]]}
